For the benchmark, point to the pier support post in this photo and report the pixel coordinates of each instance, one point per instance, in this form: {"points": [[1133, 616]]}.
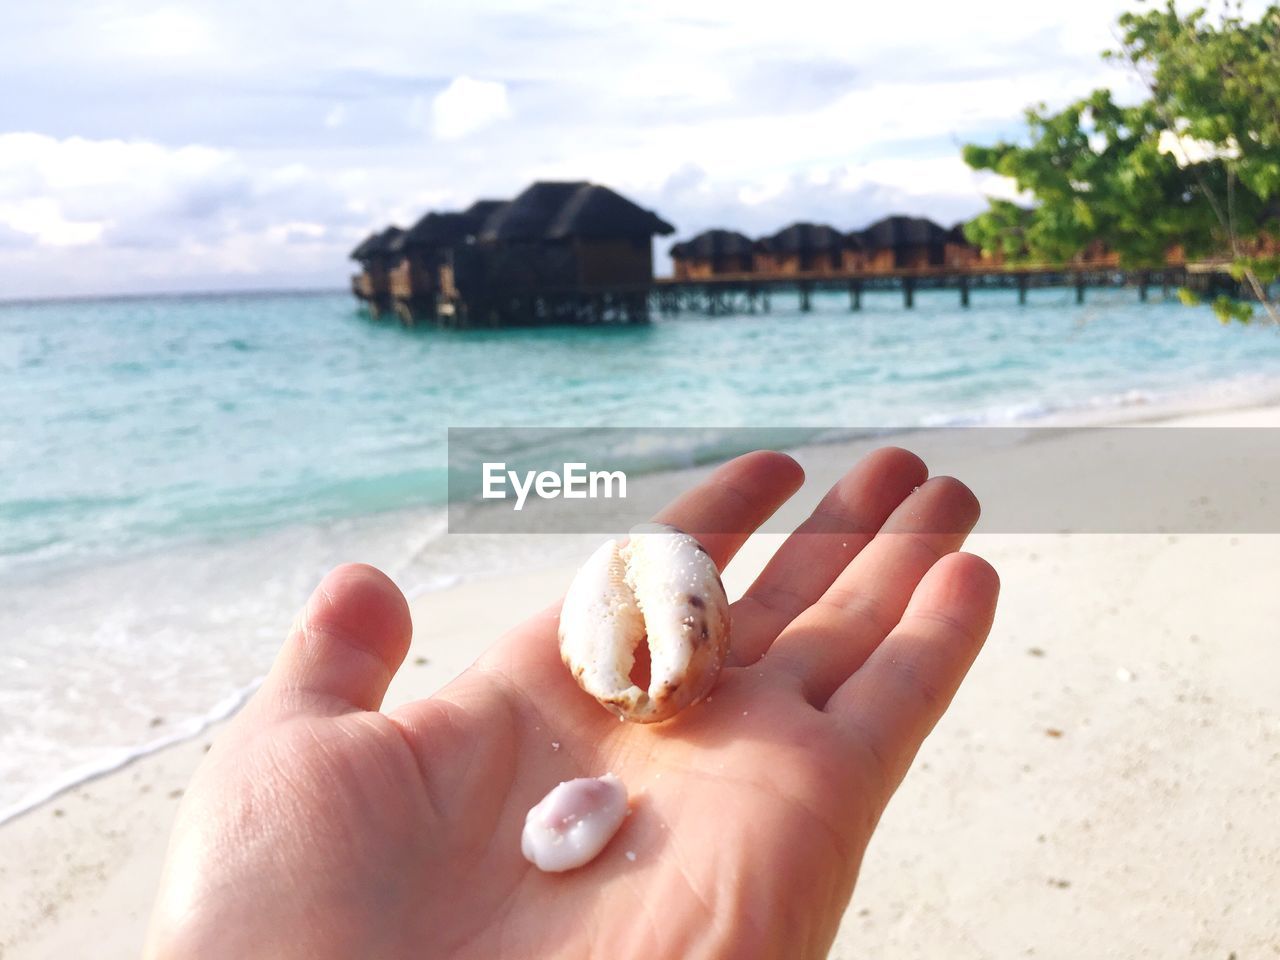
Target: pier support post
{"points": [[855, 295], [1144, 280], [805, 303], [1079, 288], [1022, 288], [908, 292], [964, 291]]}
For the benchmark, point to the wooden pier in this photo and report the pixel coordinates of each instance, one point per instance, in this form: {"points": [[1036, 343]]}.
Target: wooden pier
{"points": [[752, 293], [576, 253], [746, 293]]}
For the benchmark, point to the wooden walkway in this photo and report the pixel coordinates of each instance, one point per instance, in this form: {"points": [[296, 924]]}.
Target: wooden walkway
{"points": [[752, 293], [747, 293]]}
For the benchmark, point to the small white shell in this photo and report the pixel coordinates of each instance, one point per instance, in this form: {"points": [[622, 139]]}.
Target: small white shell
{"points": [[573, 823], [660, 587]]}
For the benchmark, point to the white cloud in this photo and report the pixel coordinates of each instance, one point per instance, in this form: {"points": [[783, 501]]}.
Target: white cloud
{"points": [[75, 190], [299, 231], [710, 113], [83, 216], [336, 116], [466, 106], [863, 121], [42, 219], [167, 33], [15, 239]]}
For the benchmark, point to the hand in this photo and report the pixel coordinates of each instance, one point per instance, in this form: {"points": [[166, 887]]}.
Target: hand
{"points": [[320, 827]]}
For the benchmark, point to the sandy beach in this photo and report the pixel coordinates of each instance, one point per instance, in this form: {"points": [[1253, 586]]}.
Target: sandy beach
{"points": [[1103, 786]]}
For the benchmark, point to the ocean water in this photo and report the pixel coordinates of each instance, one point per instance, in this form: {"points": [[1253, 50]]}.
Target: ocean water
{"points": [[175, 473]]}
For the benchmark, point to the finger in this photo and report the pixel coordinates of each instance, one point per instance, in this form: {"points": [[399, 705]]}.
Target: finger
{"points": [[812, 557], [344, 648], [729, 505], [891, 703], [833, 638]]}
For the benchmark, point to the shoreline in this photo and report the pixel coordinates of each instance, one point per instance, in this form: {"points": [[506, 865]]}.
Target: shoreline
{"points": [[1127, 408], [1245, 402], [81, 866]]}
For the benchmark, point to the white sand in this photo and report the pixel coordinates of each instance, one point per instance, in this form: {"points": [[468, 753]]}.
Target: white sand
{"points": [[1104, 786]]}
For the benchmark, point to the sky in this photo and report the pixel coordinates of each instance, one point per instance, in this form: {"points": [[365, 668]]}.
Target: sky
{"points": [[149, 147]]}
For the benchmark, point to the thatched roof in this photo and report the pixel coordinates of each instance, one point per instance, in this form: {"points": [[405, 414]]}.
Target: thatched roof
{"points": [[437, 230], [364, 246], [804, 238], [529, 215], [482, 210], [902, 231], [956, 233], [555, 210], [376, 244], [596, 211], [714, 243]]}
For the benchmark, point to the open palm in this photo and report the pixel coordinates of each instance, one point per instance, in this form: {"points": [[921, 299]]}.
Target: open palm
{"points": [[319, 827]]}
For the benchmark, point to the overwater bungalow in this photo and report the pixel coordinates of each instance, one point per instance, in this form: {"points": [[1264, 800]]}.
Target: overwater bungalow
{"points": [[374, 254], [958, 251], [900, 242], [584, 235], [854, 257], [713, 253], [1096, 253], [801, 248], [417, 256], [560, 251]]}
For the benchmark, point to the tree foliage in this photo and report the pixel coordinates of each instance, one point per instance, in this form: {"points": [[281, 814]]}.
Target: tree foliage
{"points": [[1195, 165]]}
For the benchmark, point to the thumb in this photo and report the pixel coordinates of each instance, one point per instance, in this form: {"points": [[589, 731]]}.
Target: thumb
{"points": [[343, 648]]}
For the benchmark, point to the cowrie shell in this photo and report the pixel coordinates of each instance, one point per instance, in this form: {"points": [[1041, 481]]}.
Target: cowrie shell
{"points": [[573, 823], [659, 588]]}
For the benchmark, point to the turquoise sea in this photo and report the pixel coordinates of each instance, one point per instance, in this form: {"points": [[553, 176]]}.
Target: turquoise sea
{"points": [[177, 471]]}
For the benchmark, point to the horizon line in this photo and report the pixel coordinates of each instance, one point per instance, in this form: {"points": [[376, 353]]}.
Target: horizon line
{"points": [[167, 294]]}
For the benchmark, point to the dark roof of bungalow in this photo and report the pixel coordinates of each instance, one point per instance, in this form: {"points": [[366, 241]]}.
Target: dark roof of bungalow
{"points": [[956, 233], [714, 243], [482, 210], [363, 247], [596, 211], [555, 210], [804, 238], [529, 215], [376, 244], [902, 231], [437, 230]]}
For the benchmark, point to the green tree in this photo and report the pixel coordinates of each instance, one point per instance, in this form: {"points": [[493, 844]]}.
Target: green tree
{"points": [[1196, 163]]}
